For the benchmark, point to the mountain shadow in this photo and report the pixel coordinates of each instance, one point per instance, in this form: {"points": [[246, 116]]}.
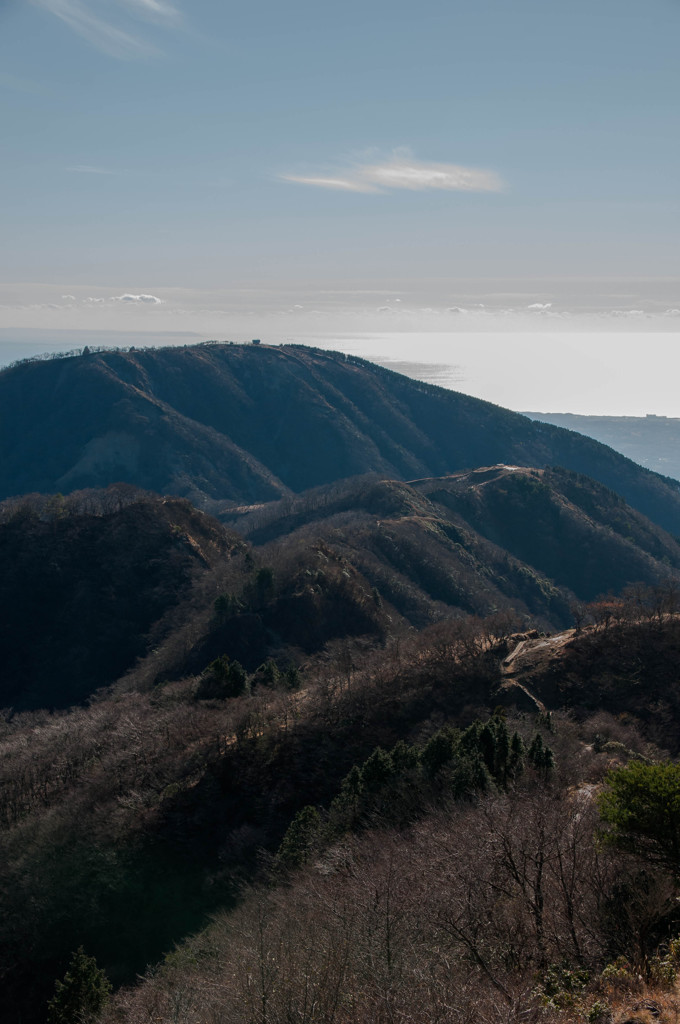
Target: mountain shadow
{"points": [[86, 582], [246, 424]]}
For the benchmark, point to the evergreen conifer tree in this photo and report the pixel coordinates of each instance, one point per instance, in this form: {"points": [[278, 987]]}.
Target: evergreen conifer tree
{"points": [[84, 991]]}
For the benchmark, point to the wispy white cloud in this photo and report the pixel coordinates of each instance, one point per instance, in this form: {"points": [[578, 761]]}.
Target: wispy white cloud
{"points": [[403, 171], [418, 176], [340, 184], [539, 307], [88, 169], [152, 10], [114, 30]]}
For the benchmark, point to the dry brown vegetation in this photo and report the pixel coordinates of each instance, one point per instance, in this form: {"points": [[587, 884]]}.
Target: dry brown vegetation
{"points": [[506, 910], [129, 821], [442, 893]]}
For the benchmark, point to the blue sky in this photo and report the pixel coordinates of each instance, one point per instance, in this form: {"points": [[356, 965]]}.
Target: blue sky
{"points": [[259, 168]]}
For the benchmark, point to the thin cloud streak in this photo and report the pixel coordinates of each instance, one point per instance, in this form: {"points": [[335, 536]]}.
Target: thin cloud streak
{"points": [[102, 33], [340, 184], [87, 169], [405, 172], [153, 9]]}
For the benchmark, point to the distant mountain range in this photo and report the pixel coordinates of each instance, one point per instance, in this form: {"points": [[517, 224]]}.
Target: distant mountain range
{"points": [[245, 424], [653, 441]]}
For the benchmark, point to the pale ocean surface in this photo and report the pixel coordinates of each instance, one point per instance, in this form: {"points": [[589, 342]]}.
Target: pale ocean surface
{"points": [[606, 374], [603, 373]]}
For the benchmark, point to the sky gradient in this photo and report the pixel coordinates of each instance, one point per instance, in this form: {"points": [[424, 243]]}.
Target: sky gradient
{"points": [[225, 170]]}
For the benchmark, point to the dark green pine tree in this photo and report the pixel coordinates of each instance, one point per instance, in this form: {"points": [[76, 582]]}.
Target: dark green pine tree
{"points": [[502, 762], [404, 757], [517, 755], [301, 838], [346, 807], [535, 754], [292, 677], [541, 757], [487, 747], [353, 784], [377, 770], [82, 994], [439, 750], [226, 678], [270, 672]]}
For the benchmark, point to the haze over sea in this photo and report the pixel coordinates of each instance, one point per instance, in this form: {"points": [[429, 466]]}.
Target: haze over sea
{"points": [[603, 373]]}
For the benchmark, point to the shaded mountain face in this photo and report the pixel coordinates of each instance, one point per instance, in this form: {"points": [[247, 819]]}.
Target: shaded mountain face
{"points": [[83, 584], [102, 584], [566, 526], [253, 423], [521, 541], [119, 583]]}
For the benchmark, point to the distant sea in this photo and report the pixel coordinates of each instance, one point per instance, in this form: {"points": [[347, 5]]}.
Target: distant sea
{"points": [[18, 343], [606, 374]]}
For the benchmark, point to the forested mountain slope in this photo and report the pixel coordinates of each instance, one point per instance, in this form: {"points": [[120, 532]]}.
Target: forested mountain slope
{"points": [[353, 680], [530, 542], [107, 583], [87, 584], [250, 423]]}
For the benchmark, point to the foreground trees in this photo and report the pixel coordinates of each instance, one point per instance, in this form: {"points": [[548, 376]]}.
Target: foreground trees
{"points": [[482, 911], [442, 870], [642, 804], [83, 993]]}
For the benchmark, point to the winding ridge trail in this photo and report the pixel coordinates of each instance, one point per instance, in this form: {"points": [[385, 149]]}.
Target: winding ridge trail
{"points": [[531, 647]]}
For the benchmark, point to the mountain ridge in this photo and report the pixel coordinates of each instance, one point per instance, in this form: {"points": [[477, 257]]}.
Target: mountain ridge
{"points": [[243, 423], [124, 585]]}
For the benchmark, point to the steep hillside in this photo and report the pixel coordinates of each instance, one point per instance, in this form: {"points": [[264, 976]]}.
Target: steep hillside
{"points": [[86, 582], [107, 583], [569, 528], [526, 542], [250, 423]]}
